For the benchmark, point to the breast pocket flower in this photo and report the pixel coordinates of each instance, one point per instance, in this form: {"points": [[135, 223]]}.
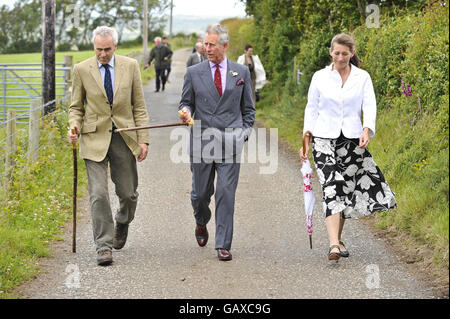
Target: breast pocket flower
{"points": [[240, 82]]}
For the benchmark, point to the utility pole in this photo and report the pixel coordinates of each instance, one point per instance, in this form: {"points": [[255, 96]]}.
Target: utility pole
{"points": [[48, 54], [145, 31], [171, 10]]}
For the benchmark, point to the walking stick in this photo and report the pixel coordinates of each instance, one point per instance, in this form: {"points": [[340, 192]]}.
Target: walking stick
{"points": [[74, 197], [137, 128], [126, 129]]}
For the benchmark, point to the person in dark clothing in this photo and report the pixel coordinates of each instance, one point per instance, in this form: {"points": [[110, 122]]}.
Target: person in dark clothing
{"points": [[161, 55], [167, 44]]}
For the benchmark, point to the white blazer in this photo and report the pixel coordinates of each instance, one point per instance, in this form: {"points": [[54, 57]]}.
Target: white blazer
{"points": [[332, 108], [259, 71]]}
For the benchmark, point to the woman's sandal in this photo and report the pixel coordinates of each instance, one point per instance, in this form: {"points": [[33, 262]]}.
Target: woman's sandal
{"points": [[334, 255], [344, 253]]}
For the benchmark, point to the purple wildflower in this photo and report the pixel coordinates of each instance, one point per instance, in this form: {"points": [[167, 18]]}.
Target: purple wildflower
{"points": [[406, 89]]}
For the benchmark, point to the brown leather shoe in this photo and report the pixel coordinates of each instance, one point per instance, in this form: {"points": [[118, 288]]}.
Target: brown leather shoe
{"points": [[201, 234], [104, 257], [224, 254], [120, 235]]}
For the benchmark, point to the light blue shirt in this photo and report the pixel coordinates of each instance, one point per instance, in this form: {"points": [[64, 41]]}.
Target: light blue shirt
{"points": [[111, 70]]}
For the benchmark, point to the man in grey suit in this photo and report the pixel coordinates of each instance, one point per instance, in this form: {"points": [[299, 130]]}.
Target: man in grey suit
{"points": [[196, 57], [218, 94]]}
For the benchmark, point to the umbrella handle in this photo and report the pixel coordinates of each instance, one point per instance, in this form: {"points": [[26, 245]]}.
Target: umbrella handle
{"points": [[310, 241], [308, 135]]}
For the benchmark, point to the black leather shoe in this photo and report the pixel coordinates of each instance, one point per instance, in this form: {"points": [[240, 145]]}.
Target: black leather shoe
{"points": [[224, 254], [120, 235], [104, 257], [156, 91], [344, 253], [201, 234], [334, 255]]}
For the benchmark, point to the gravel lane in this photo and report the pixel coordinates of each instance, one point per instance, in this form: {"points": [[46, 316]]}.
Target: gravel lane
{"points": [[271, 255]]}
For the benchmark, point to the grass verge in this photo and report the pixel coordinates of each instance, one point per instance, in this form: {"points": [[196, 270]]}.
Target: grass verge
{"points": [[36, 203]]}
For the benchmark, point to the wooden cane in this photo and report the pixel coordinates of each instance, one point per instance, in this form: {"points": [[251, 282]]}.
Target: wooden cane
{"points": [[146, 127], [74, 197]]}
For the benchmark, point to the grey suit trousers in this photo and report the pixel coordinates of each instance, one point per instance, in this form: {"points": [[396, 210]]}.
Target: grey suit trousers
{"points": [[203, 175], [123, 171]]}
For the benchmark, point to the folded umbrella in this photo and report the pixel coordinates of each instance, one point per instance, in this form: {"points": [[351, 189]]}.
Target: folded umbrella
{"points": [[308, 192]]}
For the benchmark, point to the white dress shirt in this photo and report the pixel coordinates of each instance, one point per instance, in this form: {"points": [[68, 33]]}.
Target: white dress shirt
{"points": [[333, 108]]}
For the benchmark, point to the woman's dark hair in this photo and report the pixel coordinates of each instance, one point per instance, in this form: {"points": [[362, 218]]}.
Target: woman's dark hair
{"points": [[345, 39], [248, 46]]}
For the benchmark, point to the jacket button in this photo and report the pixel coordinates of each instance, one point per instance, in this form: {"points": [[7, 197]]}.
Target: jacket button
{"points": [[111, 115], [110, 131]]}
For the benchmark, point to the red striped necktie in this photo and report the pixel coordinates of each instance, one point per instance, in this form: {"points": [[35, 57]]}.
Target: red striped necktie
{"points": [[218, 80]]}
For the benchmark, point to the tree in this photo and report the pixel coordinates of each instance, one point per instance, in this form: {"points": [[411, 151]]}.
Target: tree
{"points": [[20, 28]]}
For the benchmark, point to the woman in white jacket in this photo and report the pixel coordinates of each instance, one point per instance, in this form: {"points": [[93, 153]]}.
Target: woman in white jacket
{"points": [[352, 184], [257, 72]]}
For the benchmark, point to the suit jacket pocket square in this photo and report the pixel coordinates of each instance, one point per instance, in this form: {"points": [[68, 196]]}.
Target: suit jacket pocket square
{"points": [[240, 82]]}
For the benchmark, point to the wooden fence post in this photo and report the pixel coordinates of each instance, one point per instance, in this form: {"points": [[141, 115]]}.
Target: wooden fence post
{"points": [[68, 60], [11, 146], [33, 135]]}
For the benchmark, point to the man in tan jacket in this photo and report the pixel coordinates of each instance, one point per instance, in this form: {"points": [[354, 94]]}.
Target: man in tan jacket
{"points": [[107, 94]]}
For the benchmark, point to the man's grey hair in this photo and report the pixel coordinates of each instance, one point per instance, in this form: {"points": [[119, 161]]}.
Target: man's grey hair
{"points": [[221, 31], [157, 39], [105, 31], [198, 45]]}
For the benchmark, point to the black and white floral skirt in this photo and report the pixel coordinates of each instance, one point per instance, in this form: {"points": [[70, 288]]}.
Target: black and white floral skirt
{"points": [[352, 183]]}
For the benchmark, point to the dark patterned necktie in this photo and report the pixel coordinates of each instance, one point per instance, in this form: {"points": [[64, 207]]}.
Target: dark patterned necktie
{"points": [[108, 85], [218, 80]]}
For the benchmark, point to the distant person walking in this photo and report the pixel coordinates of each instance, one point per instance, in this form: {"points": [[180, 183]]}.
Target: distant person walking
{"points": [[196, 57], [107, 93], [199, 40], [161, 55], [257, 72], [169, 67], [353, 186]]}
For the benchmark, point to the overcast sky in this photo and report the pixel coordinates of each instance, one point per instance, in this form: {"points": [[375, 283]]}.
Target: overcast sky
{"points": [[204, 8]]}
